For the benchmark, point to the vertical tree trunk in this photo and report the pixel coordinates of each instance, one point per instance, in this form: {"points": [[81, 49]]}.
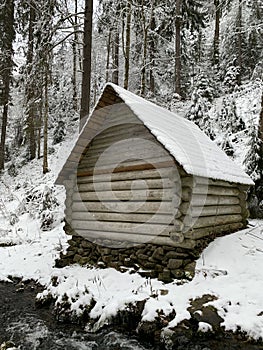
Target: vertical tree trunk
{"points": [[261, 121], [127, 46], [216, 33], [29, 88], [116, 53], [86, 76], [40, 119], [144, 61], [260, 131], [108, 55], [5, 72], [152, 54], [45, 146], [239, 40], [74, 49], [144, 52], [178, 20], [3, 134]]}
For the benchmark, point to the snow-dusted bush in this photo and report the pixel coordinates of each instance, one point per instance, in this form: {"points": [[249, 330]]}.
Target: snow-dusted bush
{"points": [[201, 103], [231, 78], [59, 132], [41, 204]]}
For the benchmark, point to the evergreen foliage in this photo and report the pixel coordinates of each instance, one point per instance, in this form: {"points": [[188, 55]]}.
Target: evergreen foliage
{"points": [[228, 119], [135, 45], [201, 100], [253, 156]]}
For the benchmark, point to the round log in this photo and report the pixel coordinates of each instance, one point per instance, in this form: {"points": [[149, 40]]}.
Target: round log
{"points": [[160, 195], [212, 210], [200, 200], [126, 185], [124, 217], [211, 221], [131, 175], [123, 227], [177, 237], [138, 239], [215, 230], [124, 207]]}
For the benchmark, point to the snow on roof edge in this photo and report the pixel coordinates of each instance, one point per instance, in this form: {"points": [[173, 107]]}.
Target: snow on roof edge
{"points": [[131, 100]]}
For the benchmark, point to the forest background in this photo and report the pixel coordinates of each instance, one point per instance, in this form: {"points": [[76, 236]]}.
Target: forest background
{"points": [[201, 59]]}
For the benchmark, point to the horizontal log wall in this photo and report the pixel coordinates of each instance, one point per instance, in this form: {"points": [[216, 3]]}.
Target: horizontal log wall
{"points": [[210, 207], [137, 201]]}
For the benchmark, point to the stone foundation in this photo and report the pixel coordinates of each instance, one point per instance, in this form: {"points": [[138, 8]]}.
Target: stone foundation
{"points": [[163, 262]]}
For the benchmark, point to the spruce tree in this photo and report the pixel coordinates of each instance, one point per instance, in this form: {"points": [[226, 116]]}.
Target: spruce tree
{"points": [[228, 120], [252, 158], [201, 100], [7, 36]]}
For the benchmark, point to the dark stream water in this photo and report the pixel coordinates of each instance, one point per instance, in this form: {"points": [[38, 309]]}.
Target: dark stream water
{"points": [[31, 328]]}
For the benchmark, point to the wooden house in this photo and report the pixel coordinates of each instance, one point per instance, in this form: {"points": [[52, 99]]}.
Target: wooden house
{"points": [[147, 188]]}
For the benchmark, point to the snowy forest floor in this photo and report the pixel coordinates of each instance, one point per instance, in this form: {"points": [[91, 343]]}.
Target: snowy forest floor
{"points": [[229, 273], [229, 270]]}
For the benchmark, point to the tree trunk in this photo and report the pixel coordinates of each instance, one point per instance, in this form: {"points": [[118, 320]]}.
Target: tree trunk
{"points": [[127, 46], [216, 33], [239, 40], [45, 146], [5, 71], [145, 28], [144, 60], [3, 135], [260, 132], [29, 88], [74, 49], [108, 55], [152, 54], [116, 49], [86, 76], [39, 126], [178, 20]]}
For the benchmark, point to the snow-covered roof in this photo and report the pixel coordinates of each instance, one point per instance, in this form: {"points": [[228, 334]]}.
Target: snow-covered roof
{"points": [[189, 146]]}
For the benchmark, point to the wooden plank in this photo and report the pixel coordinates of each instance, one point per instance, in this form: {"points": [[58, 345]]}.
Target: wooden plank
{"points": [[123, 129], [123, 217], [118, 120], [211, 182], [148, 163], [216, 190], [161, 173], [161, 194], [110, 158], [164, 207], [199, 200], [130, 141], [94, 236], [214, 230], [127, 148], [127, 168], [100, 144], [123, 227], [212, 210], [127, 185], [215, 220]]}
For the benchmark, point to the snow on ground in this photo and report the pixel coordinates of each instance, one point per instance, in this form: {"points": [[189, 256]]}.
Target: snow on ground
{"points": [[231, 268]]}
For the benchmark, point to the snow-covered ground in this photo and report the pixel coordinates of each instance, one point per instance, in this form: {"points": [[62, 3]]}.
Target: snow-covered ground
{"points": [[231, 268]]}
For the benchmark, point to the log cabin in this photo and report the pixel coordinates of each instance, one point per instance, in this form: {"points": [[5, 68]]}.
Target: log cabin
{"points": [[146, 189]]}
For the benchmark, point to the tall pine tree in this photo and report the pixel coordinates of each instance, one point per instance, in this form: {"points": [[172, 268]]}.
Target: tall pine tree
{"points": [[7, 35]]}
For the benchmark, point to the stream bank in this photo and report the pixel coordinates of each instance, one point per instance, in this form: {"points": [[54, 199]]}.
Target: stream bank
{"points": [[34, 328]]}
